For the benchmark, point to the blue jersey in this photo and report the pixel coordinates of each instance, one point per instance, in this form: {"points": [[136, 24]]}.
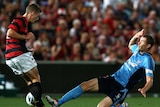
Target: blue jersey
{"points": [[133, 64]]}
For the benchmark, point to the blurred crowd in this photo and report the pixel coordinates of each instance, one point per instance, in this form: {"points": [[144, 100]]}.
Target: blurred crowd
{"points": [[85, 30]]}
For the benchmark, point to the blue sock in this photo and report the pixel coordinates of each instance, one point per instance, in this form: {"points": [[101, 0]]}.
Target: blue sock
{"points": [[72, 94]]}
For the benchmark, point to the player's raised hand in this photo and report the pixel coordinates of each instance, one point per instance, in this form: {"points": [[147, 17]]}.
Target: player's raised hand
{"points": [[139, 34], [135, 38]]}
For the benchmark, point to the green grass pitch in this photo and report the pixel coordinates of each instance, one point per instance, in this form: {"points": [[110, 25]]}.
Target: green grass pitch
{"points": [[86, 100]]}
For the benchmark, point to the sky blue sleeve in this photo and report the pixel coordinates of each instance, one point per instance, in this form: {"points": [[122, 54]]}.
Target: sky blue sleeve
{"points": [[134, 48], [149, 66]]}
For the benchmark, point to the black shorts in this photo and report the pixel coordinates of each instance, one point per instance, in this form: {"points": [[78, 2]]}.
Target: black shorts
{"points": [[112, 88]]}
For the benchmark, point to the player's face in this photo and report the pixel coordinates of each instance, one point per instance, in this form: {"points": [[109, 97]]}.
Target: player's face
{"points": [[35, 17], [142, 44]]}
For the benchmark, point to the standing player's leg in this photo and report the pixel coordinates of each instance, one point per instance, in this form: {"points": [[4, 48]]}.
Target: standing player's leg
{"points": [[26, 66], [32, 79]]}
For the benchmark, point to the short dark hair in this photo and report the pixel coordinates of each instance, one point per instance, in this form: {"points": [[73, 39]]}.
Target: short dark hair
{"points": [[150, 40], [33, 8]]}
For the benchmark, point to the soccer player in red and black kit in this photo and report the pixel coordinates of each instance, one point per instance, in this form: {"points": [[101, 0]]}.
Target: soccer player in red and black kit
{"points": [[18, 58]]}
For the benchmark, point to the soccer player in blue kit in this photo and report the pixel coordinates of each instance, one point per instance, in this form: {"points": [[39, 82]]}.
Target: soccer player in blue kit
{"points": [[117, 85]]}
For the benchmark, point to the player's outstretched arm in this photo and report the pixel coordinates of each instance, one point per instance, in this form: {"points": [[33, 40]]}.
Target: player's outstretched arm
{"points": [[147, 86], [135, 37]]}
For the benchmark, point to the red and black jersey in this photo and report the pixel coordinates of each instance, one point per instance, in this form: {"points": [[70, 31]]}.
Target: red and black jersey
{"points": [[16, 47]]}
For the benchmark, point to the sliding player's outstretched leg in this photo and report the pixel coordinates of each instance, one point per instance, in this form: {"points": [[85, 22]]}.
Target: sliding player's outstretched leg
{"points": [[52, 102]]}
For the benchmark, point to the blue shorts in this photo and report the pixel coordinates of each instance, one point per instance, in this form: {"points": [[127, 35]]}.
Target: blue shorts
{"points": [[112, 88]]}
